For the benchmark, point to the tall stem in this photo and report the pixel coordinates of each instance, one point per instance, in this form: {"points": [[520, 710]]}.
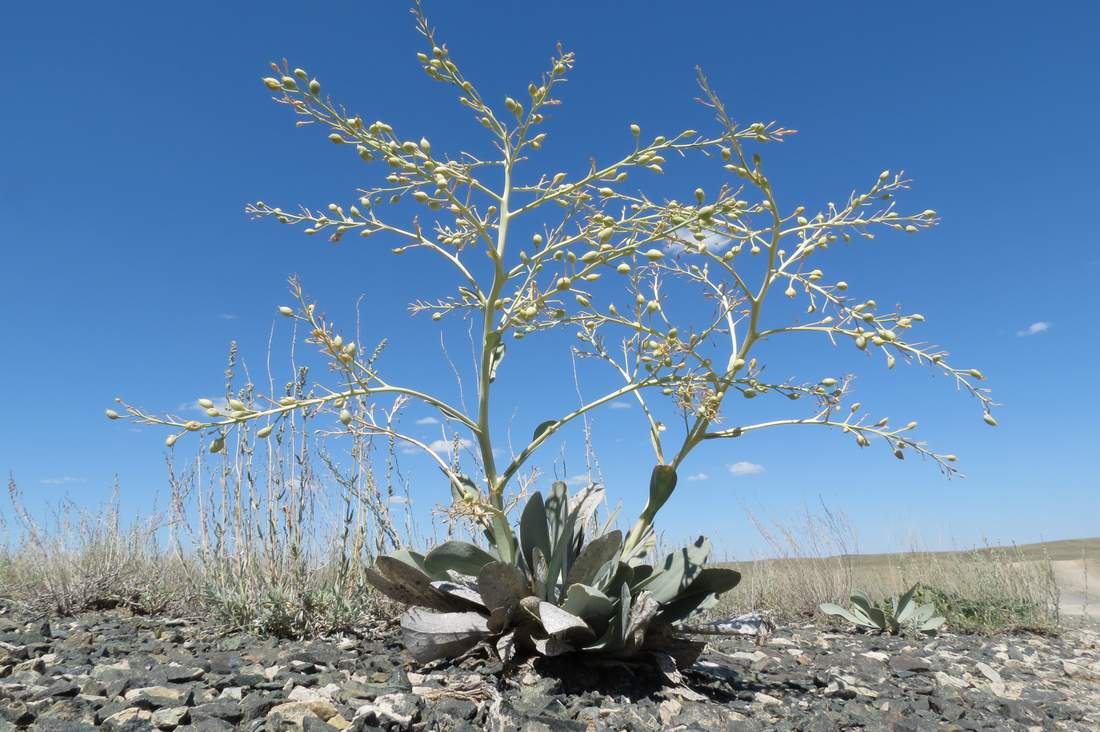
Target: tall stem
{"points": [[490, 338]]}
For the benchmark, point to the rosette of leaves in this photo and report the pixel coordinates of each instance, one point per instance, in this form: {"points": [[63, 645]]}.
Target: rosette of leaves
{"points": [[901, 613], [565, 592]]}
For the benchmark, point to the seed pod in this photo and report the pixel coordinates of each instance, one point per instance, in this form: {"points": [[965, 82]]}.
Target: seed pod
{"points": [[950, 458], [828, 381], [890, 361], [237, 406], [272, 83], [605, 234], [530, 311], [635, 130], [977, 374], [112, 414], [437, 316], [212, 412], [662, 482], [583, 301], [289, 83], [217, 445], [206, 403], [790, 291], [749, 393], [653, 254], [345, 417], [589, 257], [989, 419], [171, 440], [653, 306], [314, 87], [264, 431], [564, 283], [287, 401]]}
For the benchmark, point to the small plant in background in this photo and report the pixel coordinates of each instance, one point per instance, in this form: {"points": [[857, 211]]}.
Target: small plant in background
{"points": [[898, 615], [552, 587]]}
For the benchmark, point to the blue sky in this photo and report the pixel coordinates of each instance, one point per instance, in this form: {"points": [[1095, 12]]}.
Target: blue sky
{"points": [[132, 136]]}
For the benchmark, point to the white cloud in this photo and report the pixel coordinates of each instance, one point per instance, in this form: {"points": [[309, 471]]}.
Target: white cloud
{"points": [[712, 241], [427, 420], [1034, 329], [221, 404], [63, 480], [399, 499], [584, 479], [698, 476], [619, 405], [443, 447], [744, 467], [226, 316]]}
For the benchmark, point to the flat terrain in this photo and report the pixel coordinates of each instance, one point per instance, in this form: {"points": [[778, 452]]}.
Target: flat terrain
{"points": [[1074, 562]]}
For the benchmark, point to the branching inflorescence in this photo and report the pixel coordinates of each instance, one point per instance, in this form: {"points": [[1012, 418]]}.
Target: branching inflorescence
{"points": [[593, 227]]}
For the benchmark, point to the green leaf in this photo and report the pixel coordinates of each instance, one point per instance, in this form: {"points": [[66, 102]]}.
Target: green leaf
{"points": [[710, 583], [533, 531], [677, 572], [459, 556], [430, 635], [562, 559], [501, 585], [831, 609], [589, 604], [904, 607], [594, 556], [542, 427], [408, 585], [560, 622]]}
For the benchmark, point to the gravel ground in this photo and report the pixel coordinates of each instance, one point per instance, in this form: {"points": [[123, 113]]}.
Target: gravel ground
{"points": [[116, 671]]}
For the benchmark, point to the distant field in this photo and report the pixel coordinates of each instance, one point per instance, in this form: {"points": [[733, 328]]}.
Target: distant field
{"points": [[1068, 570]]}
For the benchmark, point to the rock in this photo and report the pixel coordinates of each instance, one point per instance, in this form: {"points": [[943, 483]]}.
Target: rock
{"points": [[907, 664], [127, 718], [996, 683], [169, 717], [399, 709], [227, 711], [294, 712], [154, 697]]}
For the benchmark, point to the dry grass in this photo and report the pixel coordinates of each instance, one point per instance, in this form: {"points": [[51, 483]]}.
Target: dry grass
{"points": [[816, 559]]}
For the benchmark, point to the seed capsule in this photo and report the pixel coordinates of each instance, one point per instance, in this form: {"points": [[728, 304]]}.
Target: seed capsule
{"points": [[314, 87], [989, 419], [653, 254], [345, 416], [112, 414], [564, 283], [828, 381], [635, 130], [977, 374], [272, 83], [264, 431], [171, 440], [217, 445], [237, 406]]}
